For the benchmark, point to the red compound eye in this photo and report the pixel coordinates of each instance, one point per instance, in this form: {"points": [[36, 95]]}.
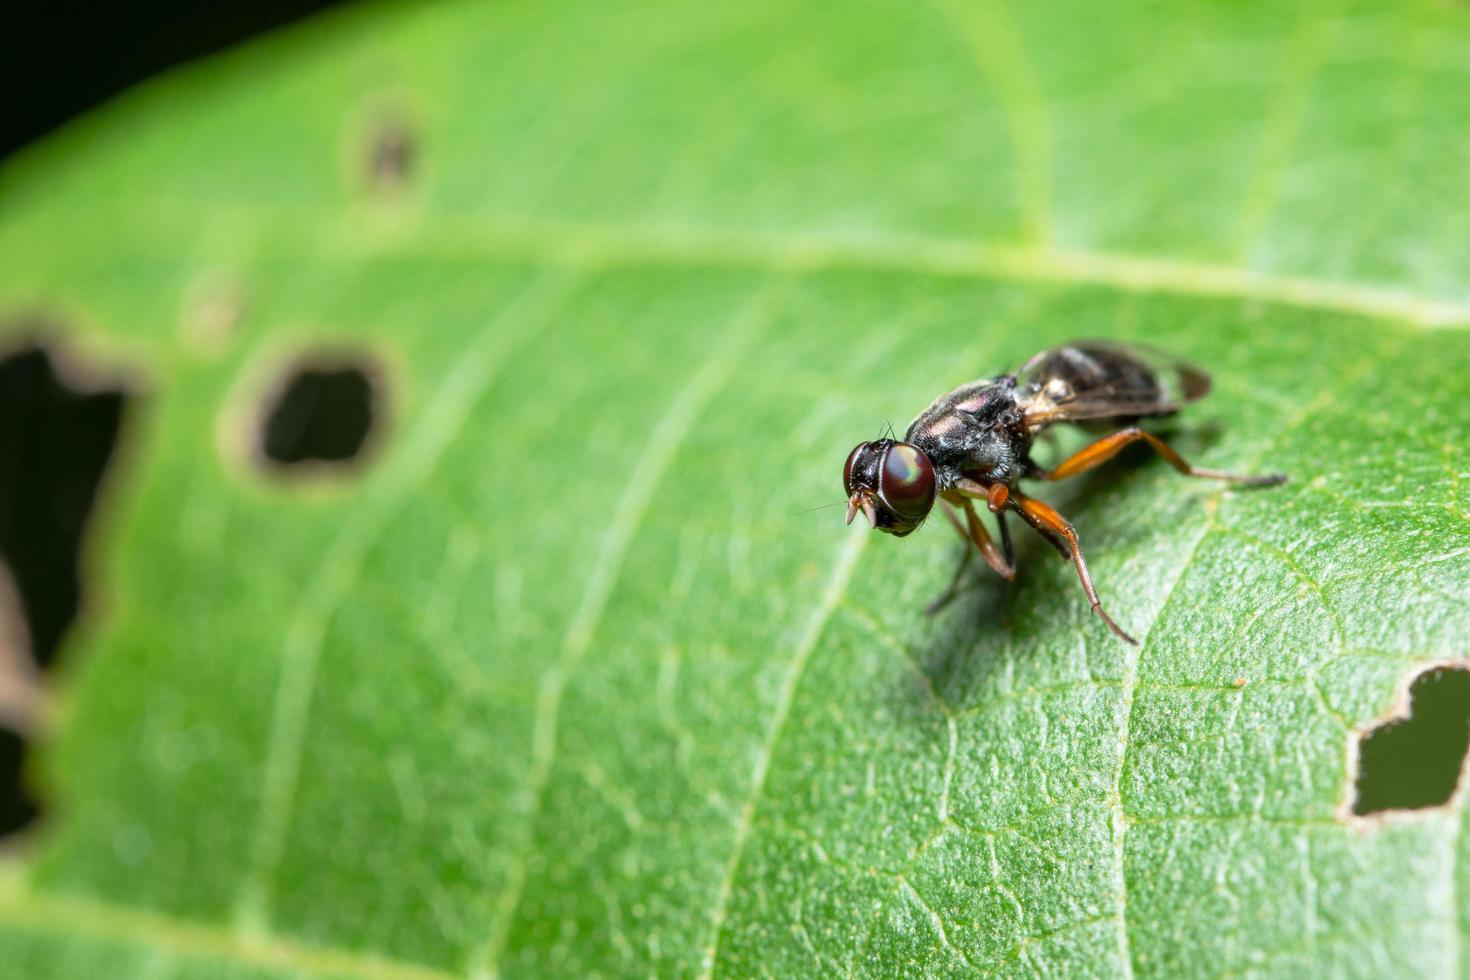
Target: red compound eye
{"points": [[907, 485]]}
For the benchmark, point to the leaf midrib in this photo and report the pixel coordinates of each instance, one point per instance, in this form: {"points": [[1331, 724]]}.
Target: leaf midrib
{"points": [[370, 232]]}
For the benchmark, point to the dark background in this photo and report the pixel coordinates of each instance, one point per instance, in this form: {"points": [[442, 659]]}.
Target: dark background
{"points": [[59, 58]]}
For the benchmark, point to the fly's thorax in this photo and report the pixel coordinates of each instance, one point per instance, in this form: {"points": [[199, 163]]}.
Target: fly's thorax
{"points": [[992, 453], [947, 418], [972, 429]]}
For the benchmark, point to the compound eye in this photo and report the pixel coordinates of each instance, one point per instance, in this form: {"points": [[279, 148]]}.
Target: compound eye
{"points": [[847, 467], [908, 481]]}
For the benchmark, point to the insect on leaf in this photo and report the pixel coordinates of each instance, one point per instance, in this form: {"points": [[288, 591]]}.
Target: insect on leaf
{"points": [[554, 677]]}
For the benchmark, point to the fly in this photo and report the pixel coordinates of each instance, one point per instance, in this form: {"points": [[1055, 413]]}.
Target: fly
{"points": [[974, 443]]}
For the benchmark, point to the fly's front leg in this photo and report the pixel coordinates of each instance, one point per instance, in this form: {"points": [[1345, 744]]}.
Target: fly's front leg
{"points": [[1104, 449], [998, 498], [1045, 518], [961, 496], [948, 594], [973, 532]]}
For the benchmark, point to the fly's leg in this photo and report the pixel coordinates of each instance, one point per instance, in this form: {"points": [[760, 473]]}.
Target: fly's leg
{"points": [[973, 532], [945, 597], [1104, 449], [1057, 541], [1051, 525], [1045, 518], [998, 497], [994, 557], [1005, 539]]}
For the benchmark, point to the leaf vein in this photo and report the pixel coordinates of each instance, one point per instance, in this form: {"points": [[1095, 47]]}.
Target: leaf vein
{"points": [[432, 435], [669, 434], [996, 47], [76, 918], [935, 921], [611, 246], [1120, 815], [831, 597], [1283, 124]]}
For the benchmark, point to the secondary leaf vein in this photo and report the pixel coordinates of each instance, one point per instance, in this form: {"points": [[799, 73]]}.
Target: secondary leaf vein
{"points": [[811, 635], [668, 435], [423, 447]]}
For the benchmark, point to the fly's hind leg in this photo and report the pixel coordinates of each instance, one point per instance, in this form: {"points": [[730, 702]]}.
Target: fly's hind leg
{"points": [[1104, 449], [1045, 519]]}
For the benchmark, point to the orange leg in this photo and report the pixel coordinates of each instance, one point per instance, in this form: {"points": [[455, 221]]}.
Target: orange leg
{"points": [[975, 533], [998, 497], [1045, 518], [1107, 447]]}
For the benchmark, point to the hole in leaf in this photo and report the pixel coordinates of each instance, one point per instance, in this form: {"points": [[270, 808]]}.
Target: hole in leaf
{"points": [[58, 431], [55, 444], [17, 807], [22, 699], [1414, 762], [321, 413], [392, 149]]}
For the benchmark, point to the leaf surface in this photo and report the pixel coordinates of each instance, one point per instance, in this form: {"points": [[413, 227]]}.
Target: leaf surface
{"points": [[565, 680]]}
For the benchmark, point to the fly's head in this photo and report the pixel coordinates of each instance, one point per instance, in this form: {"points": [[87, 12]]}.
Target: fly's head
{"points": [[891, 484]]}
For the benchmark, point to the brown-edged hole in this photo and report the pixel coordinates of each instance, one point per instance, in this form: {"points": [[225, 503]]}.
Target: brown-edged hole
{"points": [[56, 441], [17, 806], [392, 149], [1414, 762], [321, 414], [55, 444]]}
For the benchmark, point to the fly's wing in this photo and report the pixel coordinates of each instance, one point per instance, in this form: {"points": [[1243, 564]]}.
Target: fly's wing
{"points": [[1094, 379]]}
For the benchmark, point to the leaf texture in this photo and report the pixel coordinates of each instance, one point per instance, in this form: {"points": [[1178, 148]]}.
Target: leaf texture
{"points": [[566, 681]]}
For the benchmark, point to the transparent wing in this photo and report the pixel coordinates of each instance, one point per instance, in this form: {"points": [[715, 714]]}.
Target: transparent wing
{"points": [[1096, 379]]}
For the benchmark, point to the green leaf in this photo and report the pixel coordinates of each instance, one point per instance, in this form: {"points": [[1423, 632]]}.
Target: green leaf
{"points": [[566, 679]]}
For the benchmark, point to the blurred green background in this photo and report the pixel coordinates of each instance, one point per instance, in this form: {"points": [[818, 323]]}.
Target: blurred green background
{"points": [[453, 603]]}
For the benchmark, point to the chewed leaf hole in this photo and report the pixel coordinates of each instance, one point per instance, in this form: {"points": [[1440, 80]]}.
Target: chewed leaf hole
{"points": [[391, 152], [1414, 762], [17, 807], [322, 413], [55, 443], [58, 432]]}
